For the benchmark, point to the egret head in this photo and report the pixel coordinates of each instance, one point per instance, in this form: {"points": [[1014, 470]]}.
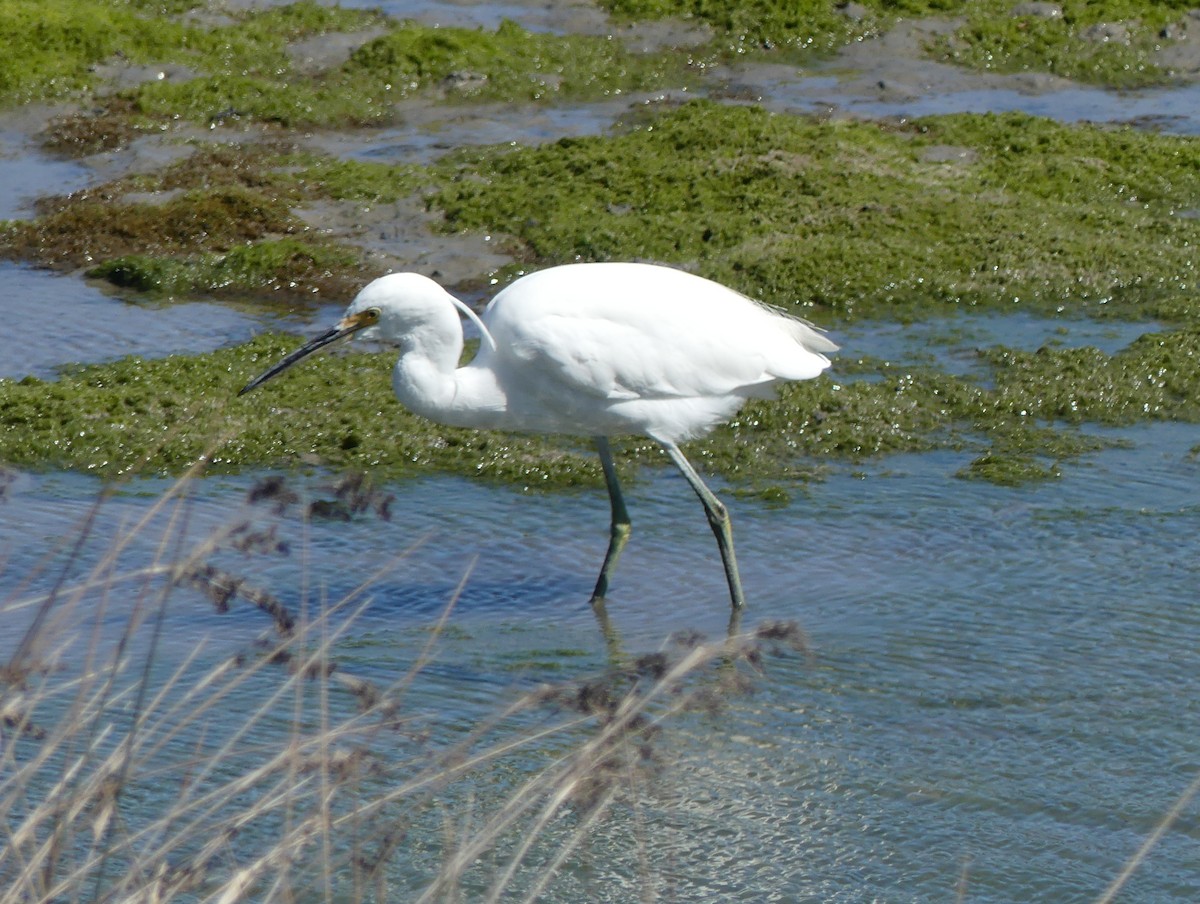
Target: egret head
{"points": [[361, 320], [387, 308], [391, 308]]}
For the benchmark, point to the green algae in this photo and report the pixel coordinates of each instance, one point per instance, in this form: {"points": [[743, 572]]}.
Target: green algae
{"points": [[807, 25], [511, 64], [1022, 451], [357, 180], [243, 70], [1106, 42], [248, 74], [286, 102], [1010, 470], [1023, 422], [459, 64], [1157, 377], [52, 47], [292, 266], [77, 230], [861, 218]]}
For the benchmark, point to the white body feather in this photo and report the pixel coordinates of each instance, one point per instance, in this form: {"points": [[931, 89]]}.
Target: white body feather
{"points": [[592, 349]]}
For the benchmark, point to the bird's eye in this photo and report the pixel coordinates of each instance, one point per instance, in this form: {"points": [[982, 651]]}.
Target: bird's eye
{"points": [[371, 315]]}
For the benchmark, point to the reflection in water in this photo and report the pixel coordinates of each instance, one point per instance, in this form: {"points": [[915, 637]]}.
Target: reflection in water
{"points": [[1001, 681]]}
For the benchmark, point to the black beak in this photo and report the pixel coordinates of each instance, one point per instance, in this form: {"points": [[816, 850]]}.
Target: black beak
{"points": [[304, 351]]}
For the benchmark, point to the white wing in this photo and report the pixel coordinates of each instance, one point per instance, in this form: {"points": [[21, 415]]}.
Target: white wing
{"points": [[626, 331]]}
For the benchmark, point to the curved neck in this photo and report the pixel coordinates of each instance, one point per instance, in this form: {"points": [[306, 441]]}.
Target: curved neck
{"points": [[428, 382]]}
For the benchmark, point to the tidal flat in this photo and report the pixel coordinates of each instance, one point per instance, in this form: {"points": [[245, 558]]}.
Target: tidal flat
{"points": [[350, 653], [839, 219]]}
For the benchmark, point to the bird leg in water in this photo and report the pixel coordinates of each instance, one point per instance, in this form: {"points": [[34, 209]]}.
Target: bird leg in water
{"points": [[718, 519], [621, 526]]}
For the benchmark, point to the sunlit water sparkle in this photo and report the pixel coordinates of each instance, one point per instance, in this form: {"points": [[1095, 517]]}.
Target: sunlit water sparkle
{"points": [[1002, 680]]}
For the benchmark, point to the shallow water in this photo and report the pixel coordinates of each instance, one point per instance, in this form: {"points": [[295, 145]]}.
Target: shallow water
{"points": [[572, 16], [26, 174], [429, 131], [91, 326], [1002, 685], [951, 344], [1175, 109], [1002, 681]]}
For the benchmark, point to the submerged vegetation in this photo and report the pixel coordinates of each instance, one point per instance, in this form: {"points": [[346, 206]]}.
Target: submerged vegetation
{"points": [[138, 416]]}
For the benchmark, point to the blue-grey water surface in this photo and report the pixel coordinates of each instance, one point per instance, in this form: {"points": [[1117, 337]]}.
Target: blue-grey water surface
{"points": [[1003, 681]]}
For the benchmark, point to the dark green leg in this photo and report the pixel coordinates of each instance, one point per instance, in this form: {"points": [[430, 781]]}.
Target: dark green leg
{"points": [[718, 520], [621, 527]]}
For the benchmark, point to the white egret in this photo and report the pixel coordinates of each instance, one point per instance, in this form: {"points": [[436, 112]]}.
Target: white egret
{"points": [[598, 349]]}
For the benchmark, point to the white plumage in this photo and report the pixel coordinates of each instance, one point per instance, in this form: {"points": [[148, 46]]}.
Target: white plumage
{"points": [[597, 350]]}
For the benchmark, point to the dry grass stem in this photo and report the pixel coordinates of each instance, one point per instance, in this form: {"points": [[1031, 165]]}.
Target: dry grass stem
{"points": [[130, 771]]}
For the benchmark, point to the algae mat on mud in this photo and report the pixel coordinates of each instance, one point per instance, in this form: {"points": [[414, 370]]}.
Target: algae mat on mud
{"points": [[839, 218], [240, 60], [863, 218], [849, 218], [236, 64], [1115, 43], [54, 47], [160, 416]]}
